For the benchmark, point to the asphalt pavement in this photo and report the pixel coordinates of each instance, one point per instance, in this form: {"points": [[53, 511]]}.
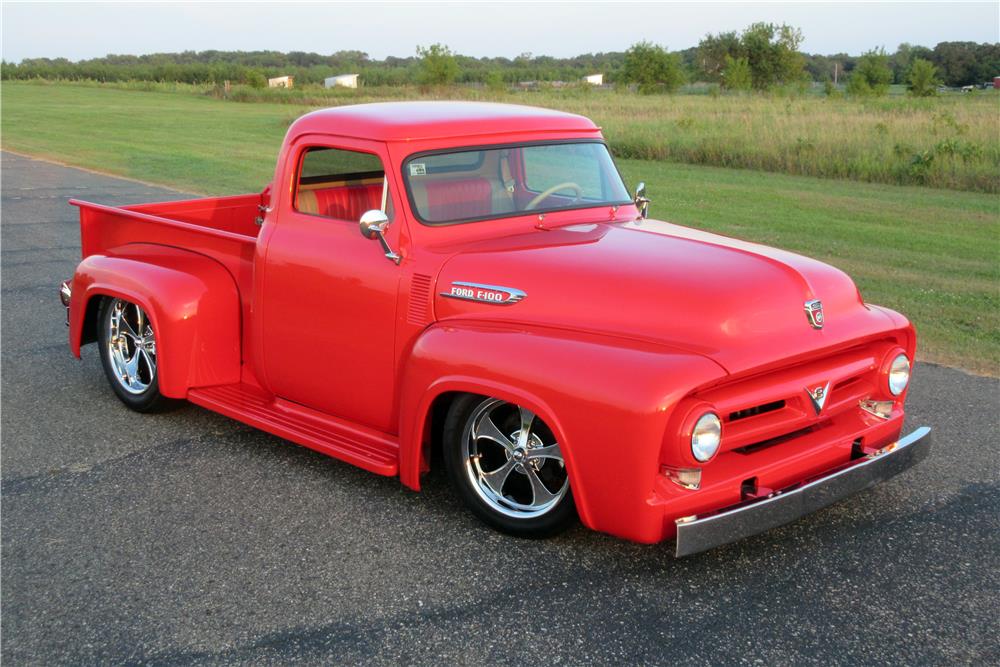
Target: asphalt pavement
{"points": [[189, 538]]}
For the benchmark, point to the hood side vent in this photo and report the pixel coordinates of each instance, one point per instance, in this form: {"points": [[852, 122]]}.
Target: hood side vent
{"points": [[419, 312]]}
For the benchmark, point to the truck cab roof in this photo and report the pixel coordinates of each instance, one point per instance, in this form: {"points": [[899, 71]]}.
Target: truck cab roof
{"points": [[411, 121]]}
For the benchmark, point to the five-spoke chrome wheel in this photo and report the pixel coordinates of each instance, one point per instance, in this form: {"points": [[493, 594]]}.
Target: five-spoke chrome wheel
{"points": [[507, 466], [128, 353], [513, 460], [131, 346]]}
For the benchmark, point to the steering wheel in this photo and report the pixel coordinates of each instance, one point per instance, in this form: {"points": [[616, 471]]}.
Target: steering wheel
{"points": [[539, 198]]}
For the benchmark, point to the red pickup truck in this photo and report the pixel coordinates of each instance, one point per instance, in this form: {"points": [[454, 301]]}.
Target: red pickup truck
{"points": [[476, 279]]}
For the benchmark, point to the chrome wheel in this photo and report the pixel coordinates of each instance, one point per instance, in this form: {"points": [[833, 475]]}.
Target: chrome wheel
{"points": [[513, 461], [131, 347]]}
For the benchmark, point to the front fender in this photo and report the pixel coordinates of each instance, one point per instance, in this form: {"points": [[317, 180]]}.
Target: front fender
{"points": [[606, 399], [191, 300]]}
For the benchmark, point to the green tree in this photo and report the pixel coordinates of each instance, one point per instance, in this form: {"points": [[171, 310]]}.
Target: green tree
{"points": [[963, 63], [756, 41], [736, 75], [494, 80], [256, 79], [857, 86], [652, 68], [871, 76], [901, 61], [713, 51], [791, 64], [772, 52], [438, 66], [923, 78]]}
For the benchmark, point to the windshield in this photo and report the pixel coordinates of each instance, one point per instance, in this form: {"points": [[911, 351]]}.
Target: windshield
{"points": [[478, 184]]}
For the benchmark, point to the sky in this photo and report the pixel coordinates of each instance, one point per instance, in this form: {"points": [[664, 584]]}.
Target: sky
{"points": [[86, 30]]}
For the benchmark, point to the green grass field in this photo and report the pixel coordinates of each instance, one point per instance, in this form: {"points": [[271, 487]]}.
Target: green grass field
{"points": [[932, 253], [951, 141]]}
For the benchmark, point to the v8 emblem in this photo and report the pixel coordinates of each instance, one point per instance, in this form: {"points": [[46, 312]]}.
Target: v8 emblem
{"points": [[818, 396]]}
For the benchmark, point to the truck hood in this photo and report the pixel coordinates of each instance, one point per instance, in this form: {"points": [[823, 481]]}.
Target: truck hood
{"points": [[740, 304]]}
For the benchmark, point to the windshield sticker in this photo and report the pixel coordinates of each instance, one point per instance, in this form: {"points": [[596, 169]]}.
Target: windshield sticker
{"points": [[418, 169]]}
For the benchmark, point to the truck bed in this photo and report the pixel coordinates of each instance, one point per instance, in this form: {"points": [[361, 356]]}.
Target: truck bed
{"points": [[184, 223], [235, 214], [222, 228]]}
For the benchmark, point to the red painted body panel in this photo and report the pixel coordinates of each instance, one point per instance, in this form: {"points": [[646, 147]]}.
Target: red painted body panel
{"points": [[192, 301], [327, 308], [601, 394], [307, 331]]}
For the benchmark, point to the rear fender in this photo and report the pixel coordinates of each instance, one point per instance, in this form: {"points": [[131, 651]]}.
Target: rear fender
{"points": [[192, 301], [606, 400]]}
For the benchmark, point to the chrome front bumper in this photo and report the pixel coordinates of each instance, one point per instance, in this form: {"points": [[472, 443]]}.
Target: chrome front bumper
{"points": [[706, 531]]}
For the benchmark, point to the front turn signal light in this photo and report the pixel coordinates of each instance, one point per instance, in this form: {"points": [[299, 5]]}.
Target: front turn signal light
{"points": [[881, 409], [688, 478]]}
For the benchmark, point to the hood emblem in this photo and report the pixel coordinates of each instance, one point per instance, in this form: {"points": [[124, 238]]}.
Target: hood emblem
{"points": [[818, 396], [814, 313], [494, 294]]}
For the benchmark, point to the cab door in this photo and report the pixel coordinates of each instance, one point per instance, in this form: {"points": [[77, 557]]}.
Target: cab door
{"points": [[328, 294]]}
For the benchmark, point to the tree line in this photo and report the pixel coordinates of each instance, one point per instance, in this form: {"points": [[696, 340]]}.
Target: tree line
{"points": [[760, 57]]}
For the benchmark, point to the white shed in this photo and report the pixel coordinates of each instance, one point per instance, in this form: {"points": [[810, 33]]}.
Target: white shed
{"points": [[342, 80], [280, 82], [594, 79]]}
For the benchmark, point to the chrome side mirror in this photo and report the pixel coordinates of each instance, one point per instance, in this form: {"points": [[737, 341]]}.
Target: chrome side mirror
{"points": [[641, 200], [373, 225]]}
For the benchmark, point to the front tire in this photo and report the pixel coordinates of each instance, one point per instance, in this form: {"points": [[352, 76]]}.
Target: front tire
{"points": [[128, 354], [506, 466]]}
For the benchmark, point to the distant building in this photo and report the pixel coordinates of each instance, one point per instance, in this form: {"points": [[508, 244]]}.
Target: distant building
{"points": [[341, 80], [280, 82], [996, 82], [594, 79]]}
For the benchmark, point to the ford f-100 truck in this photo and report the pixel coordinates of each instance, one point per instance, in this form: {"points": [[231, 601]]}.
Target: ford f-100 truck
{"points": [[476, 279]]}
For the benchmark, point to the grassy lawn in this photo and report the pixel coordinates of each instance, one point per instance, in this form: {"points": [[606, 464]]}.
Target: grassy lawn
{"points": [[950, 141], [933, 254]]}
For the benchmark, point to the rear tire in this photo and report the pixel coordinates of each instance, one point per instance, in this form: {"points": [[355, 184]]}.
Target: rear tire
{"points": [[506, 466], [128, 353]]}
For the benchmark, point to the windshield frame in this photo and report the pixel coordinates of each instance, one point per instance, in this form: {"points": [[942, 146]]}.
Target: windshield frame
{"points": [[509, 214]]}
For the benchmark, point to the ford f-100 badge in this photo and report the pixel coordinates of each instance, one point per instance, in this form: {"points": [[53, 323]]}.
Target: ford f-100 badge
{"points": [[484, 293]]}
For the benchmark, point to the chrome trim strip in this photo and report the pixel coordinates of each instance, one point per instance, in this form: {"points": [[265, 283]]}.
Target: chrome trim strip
{"points": [[700, 533], [514, 295]]}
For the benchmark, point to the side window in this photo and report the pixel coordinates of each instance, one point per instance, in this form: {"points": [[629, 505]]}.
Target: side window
{"points": [[341, 184]]}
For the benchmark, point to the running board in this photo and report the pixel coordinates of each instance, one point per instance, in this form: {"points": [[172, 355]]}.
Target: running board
{"points": [[366, 449]]}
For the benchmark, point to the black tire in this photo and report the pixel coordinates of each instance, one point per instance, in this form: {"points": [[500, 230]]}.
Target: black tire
{"points": [[479, 497], [148, 399]]}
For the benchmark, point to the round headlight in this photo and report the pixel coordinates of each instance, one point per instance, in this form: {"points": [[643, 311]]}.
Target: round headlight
{"points": [[899, 374], [706, 436]]}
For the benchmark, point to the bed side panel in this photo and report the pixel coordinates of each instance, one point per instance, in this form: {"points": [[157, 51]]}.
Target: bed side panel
{"points": [[191, 300]]}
